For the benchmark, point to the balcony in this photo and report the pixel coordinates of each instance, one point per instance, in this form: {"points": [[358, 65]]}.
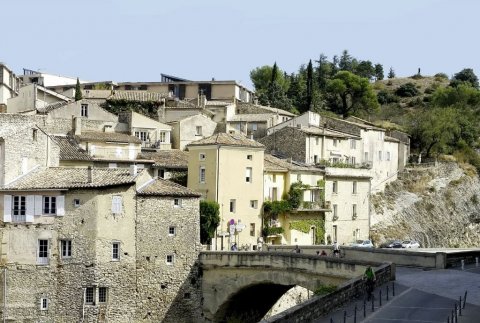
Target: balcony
{"points": [[313, 206], [150, 144], [344, 164]]}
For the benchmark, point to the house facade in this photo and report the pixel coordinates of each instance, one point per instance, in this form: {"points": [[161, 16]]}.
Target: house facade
{"points": [[228, 169], [190, 129], [9, 84]]}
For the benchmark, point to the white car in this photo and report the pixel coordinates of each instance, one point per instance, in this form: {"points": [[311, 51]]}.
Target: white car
{"points": [[362, 243], [410, 244]]}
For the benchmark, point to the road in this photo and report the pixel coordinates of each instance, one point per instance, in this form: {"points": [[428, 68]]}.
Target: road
{"points": [[422, 296]]}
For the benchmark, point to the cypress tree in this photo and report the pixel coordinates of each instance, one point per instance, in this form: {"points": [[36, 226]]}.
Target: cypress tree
{"points": [[309, 97], [391, 73], [78, 91]]}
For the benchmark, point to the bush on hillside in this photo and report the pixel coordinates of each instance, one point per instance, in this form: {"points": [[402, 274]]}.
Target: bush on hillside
{"points": [[386, 97], [407, 90]]}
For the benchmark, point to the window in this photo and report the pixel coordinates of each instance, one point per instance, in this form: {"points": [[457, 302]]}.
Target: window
{"points": [[354, 210], [19, 208], [353, 144], [354, 187], [248, 174], [202, 174], [43, 304], [42, 257], [249, 157], [116, 251], [388, 156], [335, 142], [162, 173], [84, 110], [76, 202], [254, 127], [34, 134], [163, 136], [379, 155], [142, 135], [177, 203], [201, 156], [366, 156], [172, 231], [254, 204], [315, 159], [116, 204], [317, 140], [102, 294], [49, 205], [274, 178], [198, 130], [335, 211], [252, 229], [89, 295], [66, 248], [335, 187], [353, 160], [170, 259], [232, 205]]}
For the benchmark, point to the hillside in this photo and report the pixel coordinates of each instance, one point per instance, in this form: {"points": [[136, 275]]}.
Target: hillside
{"points": [[438, 206]]}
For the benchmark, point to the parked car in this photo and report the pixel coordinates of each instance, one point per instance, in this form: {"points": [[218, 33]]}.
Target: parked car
{"points": [[410, 244], [362, 243], [391, 244]]}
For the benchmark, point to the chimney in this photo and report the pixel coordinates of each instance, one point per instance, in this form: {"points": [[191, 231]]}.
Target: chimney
{"points": [[77, 126], [133, 170], [90, 174]]}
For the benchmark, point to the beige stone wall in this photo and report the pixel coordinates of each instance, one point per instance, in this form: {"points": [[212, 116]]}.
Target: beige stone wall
{"points": [[208, 189], [168, 292]]}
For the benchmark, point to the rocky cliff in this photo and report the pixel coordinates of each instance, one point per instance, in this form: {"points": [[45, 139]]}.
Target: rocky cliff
{"points": [[438, 205]]}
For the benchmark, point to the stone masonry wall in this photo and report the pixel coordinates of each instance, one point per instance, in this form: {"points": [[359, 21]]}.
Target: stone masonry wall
{"points": [[340, 125], [290, 142], [168, 292]]}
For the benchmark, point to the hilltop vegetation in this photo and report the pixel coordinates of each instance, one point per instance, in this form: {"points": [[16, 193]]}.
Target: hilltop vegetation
{"points": [[441, 115]]}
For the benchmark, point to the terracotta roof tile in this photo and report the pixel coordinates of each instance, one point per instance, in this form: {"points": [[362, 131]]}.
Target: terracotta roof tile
{"points": [[272, 163], [174, 158], [66, 177], [162, 187], [228, 140], [142, 96], [98, 136], [69, 149]]}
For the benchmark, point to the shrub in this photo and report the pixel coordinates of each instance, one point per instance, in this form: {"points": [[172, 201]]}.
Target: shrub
{"points": [[441, 77], [407, 90], [325, 289], [385, 97]]}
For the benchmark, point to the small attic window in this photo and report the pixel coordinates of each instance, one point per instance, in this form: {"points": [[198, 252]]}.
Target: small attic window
{"points": [[34, 134]]}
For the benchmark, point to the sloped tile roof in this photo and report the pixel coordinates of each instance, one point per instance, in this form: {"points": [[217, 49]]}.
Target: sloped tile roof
{"points": [[67, 177], [325, 132], [142, 96], [98, 136], [52, 106], [162, 187], [174, 158], [265, 109], [228, 140], [272, 163], [69, 149], [260, 117]]}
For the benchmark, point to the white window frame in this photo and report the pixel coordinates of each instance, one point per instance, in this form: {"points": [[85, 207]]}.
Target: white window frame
{"points": [[254, 127], [177, 202], [248, 175], [353, 144], [42, 254], [172, 231], [202, 175], [116, 204], [19, 214], [198, 131], [335, 210], [116, 250], [84, 110], [66, 248], [103, 299], [202, 156], [49, 205], [335, 187], [254, 204], [170, 260], [43, 304], [163, 136], [388, 156]]}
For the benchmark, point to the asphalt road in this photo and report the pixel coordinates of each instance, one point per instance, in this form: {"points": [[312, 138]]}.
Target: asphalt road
{"points": [[421, 296]]}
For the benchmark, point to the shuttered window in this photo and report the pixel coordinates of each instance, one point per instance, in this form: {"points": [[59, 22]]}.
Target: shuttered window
{"points": [[116, 204]]}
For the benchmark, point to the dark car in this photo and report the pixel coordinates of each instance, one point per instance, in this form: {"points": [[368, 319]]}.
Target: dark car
{"points": [[391, 244]]}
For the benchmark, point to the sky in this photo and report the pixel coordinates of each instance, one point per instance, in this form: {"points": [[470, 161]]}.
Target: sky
{"points": [[136, 40]]}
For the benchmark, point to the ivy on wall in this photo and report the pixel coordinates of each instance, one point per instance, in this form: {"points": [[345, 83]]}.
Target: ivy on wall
{"points": [[147, 108], [305, 226]]}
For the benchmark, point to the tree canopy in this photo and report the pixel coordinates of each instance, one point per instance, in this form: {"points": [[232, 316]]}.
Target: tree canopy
{"points": [[78, 91], [209, 220]]}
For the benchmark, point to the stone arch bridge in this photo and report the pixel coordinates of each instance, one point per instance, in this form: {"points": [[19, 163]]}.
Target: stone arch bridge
{"points": [[236, 284]]}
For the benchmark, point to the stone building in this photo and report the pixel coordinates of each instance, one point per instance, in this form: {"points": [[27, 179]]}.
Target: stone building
{"points": [[98, 245]]}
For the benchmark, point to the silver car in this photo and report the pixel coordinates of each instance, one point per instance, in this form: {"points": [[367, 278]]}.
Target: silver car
{"points": [[410, 244]]}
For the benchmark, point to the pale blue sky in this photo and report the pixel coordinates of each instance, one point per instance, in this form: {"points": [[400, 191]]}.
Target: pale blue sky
{"points": [[137, 40]]}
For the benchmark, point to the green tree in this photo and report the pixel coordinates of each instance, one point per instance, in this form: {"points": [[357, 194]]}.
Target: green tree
{"points": [[310, 89], [346, 62], [391, 73], [407, 90], [262, 76], [78, 91], [323, 71], [379, 72], [463, 95], [465, 76], [209, 220], [365, 69], [350, 94]]}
